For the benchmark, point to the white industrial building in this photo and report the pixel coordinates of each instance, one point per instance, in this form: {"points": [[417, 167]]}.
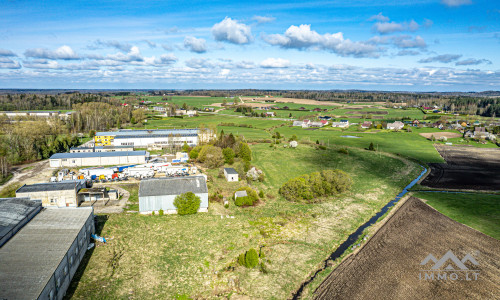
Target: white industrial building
{"points": [[159, 193], [42, 248], [53, 194], [101, 149], [145, 138], [82, 159], [230, 174]]}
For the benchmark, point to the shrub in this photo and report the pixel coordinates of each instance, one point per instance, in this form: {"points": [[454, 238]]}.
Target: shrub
{"points": [[228, 155], [193, 154], [241, 259], [343, 151], [261, 194], [317, 142], [371, 147], [251, 258], [246, 166], [244, 152], [211, 156], [307, 187], [263, 268], [321, 147], [249, 200], [153, 213], [160, 212], [187, 203]]}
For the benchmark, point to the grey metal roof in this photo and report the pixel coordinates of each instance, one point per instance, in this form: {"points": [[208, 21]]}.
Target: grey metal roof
{"points": [[230, 171], [97, 154], [172, 186], [240, 194], [14, 211], [155, 135], [48, 186], [101, 147], [30, 257], [146, 132]]}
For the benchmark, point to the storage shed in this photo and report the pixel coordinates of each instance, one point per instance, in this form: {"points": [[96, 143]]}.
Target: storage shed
{"points": [[159, 193], [231, 174], [97, 158]]}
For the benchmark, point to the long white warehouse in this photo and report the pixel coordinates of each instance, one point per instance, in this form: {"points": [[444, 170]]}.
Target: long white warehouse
{"points": [[83, 159], [144, 138]]}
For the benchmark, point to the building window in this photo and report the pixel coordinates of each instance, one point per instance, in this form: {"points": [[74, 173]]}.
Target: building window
{"points": [[58, 282], [65, 270]]}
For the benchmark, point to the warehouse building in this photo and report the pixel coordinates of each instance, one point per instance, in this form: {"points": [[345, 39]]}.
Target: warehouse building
{"points": [[39, 261], [144, 138], [14, 214], [101, 149], [53, 194], [83, 159], [159, 193]]}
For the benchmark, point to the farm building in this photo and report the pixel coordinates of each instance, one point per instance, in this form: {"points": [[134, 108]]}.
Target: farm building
{"points": [[53, 194], [270, 113], [398, 125], [366, 124], [341, 124], [297, 123], [40, 259], [315, 124], [159, 193], [231, 174], [144, 138], [98, 158]]}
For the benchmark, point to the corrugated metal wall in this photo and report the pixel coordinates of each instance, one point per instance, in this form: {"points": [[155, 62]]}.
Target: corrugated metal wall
{"points": [[166, 202]]}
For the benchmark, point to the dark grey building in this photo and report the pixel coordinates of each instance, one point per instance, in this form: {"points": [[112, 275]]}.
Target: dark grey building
{"points": [[39, 261], [159, 193]]}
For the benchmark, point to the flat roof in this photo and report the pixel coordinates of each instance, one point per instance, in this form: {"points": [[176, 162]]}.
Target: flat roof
{"points": [[101, 147], [13, 211], [98, 154], [48, 186], [230, 171], [29, 259], [172, 186], [148, 132]]}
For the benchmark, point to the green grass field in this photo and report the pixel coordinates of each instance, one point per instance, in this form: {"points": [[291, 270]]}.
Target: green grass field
{"points": [[164, 256], [478, 211]]}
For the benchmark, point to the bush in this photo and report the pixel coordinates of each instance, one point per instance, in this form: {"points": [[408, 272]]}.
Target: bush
{"points": [[343, 151], [187, 203], [321, 147], [241, 259], [244, 152], [228, 155], [160, 212], [371, 147], [261, 194], [307, 187], [193, 154], [251, 258], [263, 268], [211, 156], [153, 213], [249, 200]]}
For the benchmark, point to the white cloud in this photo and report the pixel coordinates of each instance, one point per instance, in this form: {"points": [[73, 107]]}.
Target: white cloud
{"points": [[64, 52], [455, 3], [275, 63], [125, 47], [5, 52], [444, 58], [472, 61], [198, 63], [151, 44], [263, 19], [407, 52], [133, 55], [379, 17], [7, 63], [232, 31], [302, 37], [224, 72], [195, 44], [406, 41]]}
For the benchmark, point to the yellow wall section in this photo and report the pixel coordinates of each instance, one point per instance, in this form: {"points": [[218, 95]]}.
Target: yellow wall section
{"points": [[103, 140]]}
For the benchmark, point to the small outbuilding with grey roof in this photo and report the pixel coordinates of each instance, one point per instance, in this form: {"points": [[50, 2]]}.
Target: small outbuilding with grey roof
{"points": [[53, 194], [82, 159], [231, 174], [159, 193]]}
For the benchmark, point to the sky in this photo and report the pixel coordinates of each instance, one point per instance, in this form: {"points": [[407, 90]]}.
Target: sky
{"points": [[439, 45]]}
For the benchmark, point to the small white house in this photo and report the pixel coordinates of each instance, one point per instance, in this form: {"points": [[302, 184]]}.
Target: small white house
{"points": [[398, 125], [230, 174]]}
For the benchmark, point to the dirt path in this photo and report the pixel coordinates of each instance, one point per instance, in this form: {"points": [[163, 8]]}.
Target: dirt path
{"points": [[30, 173]]}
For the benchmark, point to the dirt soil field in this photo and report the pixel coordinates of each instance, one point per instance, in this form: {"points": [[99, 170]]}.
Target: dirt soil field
{"points": [[30, 173], [438, 135], [389, 265], [466, 168]]}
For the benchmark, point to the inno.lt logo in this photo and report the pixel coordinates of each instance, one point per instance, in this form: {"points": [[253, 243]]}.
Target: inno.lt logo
{"points": [[449, 267]]}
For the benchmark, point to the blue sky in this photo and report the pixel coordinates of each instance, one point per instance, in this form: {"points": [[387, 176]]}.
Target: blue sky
{"points": [[441, 45]]}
